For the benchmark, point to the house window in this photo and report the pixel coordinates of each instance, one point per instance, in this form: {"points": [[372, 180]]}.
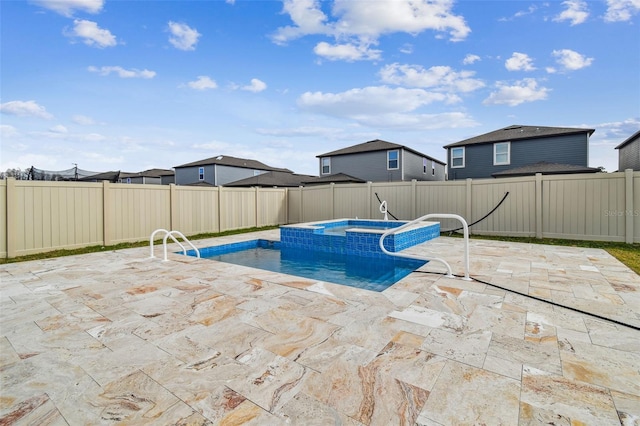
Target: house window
{"points": [[392, 159], [433, 168], [326, 166], [457, 157], [501, 153], [201, 173]]}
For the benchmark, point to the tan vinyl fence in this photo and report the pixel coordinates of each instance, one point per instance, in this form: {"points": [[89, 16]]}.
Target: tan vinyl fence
{"points": [[601, 207], [43, 216], [37, 216]]}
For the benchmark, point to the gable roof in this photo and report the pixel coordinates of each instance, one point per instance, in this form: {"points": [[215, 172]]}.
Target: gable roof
{"points": [[334, 178], [545, 168], [519, 132], [112, 176], [373, 146], [269, 179], [630, 139], [226, 160], [148, 173]]}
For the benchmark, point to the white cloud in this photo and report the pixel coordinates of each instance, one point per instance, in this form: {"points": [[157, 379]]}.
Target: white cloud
{"points": [[7, 131], [576, 11], [441, 78], [203, 83], [522, 91], [570, 60], [369, 101], [83, 120], [25, 109], [68, 7], [519, 62], [520, 14], [470, 59], [58, 129], [91, 34], [361, 23], [621, 10], [182, 36], [255, 86], [346, 52], [123, 73]]}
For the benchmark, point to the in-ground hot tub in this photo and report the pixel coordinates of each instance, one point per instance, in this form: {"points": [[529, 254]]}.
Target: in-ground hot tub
{"points": [[359, 237]]}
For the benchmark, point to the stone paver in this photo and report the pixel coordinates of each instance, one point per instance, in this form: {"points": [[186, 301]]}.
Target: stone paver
{"points": [[120, 338]]}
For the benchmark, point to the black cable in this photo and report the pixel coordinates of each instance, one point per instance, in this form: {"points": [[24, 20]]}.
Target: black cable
{"points": [[388, 212], [541, 300], [483, 217]]}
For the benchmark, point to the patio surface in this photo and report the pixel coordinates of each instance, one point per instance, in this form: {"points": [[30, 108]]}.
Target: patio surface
{"points": [[120, 338]]}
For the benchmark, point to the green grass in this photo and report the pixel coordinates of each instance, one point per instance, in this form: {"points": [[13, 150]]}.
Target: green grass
{"points": [[629, 254], [145, 243]]}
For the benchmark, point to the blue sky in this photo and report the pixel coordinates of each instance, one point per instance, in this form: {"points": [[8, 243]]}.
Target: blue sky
{"points": [[134, 85]]}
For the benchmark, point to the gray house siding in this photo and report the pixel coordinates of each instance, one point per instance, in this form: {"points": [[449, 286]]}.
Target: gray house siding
{"points": [[214, 174], [629, 156], [478, 158], [228, 174], [372, 166], [188, 175], [421, 168], [369, 166]]}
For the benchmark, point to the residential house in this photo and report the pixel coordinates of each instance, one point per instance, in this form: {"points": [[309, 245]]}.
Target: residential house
{"points": [[220, 170], [550, 149], [629, 153], [381, 161], [151, 176]]}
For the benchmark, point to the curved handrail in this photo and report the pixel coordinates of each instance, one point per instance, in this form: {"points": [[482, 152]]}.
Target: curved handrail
{"points": [[168, 234], [425, 217], [181, 235]]}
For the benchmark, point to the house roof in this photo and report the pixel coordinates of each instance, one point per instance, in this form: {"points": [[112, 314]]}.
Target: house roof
{"points": [[334, 178], [270, 179], [545, 168], [518, 132], [226, 160], [148, 173], [372, 146], [110, 176], [630, 139]]}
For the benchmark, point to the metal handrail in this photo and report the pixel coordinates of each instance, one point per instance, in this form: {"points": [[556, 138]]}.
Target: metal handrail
{"points": [[168, 234], [425, 217]]}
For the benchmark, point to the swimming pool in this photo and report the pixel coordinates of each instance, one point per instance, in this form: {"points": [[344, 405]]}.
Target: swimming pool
{"points": [[364, 272]]}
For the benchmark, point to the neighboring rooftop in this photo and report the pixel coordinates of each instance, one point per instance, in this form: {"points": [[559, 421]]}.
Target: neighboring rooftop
{"points": [[372, 146], [519, 132], [334, 178], [546, 169], [155, 173], [630, 139], [226, 160], [271, 179]]}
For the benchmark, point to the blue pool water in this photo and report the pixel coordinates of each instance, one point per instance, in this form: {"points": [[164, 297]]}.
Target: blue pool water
{"points": [[368, 273]]}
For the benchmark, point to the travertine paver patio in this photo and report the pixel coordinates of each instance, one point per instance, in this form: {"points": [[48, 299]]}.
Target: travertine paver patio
{"points": [[119, 338]]}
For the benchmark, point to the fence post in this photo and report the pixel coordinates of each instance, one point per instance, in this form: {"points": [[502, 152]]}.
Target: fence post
{"points": [[12, 214], [538, 206], [369, 200], [629, 211], [106, 214], [219, 189], [414, 195], [469, 200], [333, 200], [257, 195], [173, 207]]}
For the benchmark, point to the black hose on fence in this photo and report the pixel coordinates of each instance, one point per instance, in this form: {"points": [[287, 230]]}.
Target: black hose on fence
{"points": [[483, 217]]}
